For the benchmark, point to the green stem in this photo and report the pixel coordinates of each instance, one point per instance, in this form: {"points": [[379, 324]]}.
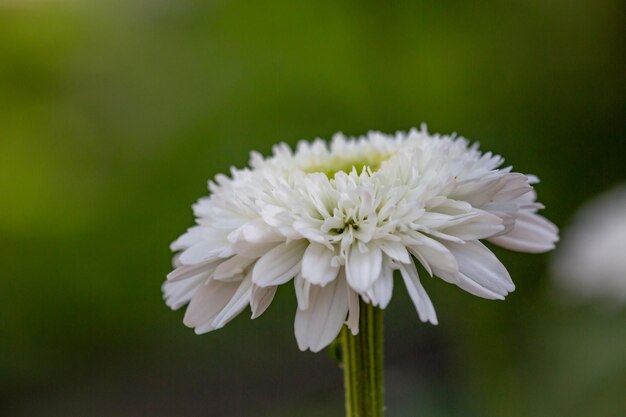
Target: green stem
{"points": [[362, 357]]}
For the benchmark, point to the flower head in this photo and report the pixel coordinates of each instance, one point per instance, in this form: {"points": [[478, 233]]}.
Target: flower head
{"points": [[338, 219], [590, 263]]}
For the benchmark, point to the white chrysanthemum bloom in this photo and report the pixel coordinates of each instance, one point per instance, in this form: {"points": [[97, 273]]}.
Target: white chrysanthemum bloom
{"points": [[339, 219], [590, 263]]}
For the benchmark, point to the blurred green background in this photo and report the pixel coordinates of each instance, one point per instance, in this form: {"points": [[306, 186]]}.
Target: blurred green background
{"points": [[114, 114]]}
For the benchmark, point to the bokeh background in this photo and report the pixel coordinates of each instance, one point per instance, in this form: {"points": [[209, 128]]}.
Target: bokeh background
{"points": [[115, 113]]}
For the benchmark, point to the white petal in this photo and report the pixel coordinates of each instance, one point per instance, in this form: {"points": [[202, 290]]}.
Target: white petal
{"points": [[395, 250], [435, 257], [303, 288], [353, 310], [363, 268], [178, 293], [274, 216], [321, 322], [176, 263], [515, 185], [531, 233], [256, 232], [201, 252], [423, 305], [434, 220], [316, 265], [232, 267], [532, 179], [188, 239], [189, 271], [260, 299], [477, 191], [279, 265], [441, 204], [481, 226], [501, 187], [332, 223], [209, 299], [480, 272], [390, 205], [252, 250], [309, 231], [381, 291], [238, 302]]}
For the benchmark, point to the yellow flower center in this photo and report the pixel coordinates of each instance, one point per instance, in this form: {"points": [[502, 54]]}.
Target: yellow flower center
{"points": [[341, 163]]}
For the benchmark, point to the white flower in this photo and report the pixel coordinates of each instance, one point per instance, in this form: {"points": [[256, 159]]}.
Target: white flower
{"points": [[339, 219], [591, 264]]}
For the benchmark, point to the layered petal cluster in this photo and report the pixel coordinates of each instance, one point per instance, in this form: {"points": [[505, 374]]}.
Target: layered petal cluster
{"points": [[339, 218]]}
